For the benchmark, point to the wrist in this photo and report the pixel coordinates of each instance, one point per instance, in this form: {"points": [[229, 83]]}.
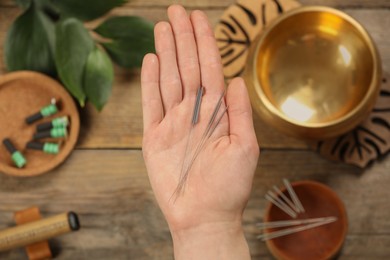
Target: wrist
{"points": [[222, 240]]}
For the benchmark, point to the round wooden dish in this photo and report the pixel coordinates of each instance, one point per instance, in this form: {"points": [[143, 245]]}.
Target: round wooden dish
{"points": [[318, 243], [22, 94]]}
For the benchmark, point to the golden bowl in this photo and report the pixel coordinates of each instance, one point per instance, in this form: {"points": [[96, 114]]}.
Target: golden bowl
{"points": [[313, 73]]}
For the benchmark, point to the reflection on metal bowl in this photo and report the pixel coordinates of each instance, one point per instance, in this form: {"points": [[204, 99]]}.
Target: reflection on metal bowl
{"points": [[313, 73]]}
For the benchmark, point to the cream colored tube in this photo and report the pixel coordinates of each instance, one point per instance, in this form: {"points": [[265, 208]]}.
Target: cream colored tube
{"points": [[37, 231]]}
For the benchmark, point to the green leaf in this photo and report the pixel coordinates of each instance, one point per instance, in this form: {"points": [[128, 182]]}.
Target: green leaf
{"points": [[125, 27], [98, 78], [129, 52], [23, 3], [86, 9], [132, 37], [29, 43], [73, 45]]}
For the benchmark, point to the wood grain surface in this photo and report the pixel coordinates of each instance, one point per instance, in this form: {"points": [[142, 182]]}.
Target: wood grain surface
{"points": [[119, 217], [105, 180]]}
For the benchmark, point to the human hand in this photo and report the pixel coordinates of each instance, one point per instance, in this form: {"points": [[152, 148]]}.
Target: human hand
{"points": [[220, 179]]}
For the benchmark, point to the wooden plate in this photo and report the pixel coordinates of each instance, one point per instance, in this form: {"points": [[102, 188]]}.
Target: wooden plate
{"points": [[22, 94], [318, 243]]}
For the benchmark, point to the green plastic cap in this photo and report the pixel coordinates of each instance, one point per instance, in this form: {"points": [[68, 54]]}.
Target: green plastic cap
{"points": [[60, 122], [49, 110], [19, 159], [58, 132], [51, 148]]}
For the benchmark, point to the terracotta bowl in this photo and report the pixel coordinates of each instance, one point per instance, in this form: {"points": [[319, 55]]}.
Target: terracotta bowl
{"points": [[318, 243], [313, 73]]}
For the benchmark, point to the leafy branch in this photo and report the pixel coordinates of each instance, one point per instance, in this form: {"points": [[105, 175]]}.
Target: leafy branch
{"points": [[50, 37]]}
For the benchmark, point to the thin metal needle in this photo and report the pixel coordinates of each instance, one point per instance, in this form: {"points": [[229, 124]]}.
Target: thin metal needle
{"points": [[281, 202], [194, 121], [287, 223], [218, 120], [284, 197], [288, 231], [293, 195], [212, 118], [213, 115], [203, 141], [195, 116], [277, 204], [204, 136]]}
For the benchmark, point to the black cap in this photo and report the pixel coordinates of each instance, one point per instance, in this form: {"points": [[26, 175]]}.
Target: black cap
{"points": [[73, 220], [35, 145], [44, 126], [41, 135], [31, 119], [8, 144]]}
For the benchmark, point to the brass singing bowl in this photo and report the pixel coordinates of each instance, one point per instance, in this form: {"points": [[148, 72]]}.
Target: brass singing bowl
{"points": [[313, 73]]}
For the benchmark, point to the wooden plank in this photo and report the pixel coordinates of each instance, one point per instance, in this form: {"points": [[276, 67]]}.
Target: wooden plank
{"points": [[225, 3], [120, 123], [110, 191], [7, 17]]}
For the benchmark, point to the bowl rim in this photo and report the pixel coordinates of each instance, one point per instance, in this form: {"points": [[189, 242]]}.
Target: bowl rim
{"points": [[376, 70]]}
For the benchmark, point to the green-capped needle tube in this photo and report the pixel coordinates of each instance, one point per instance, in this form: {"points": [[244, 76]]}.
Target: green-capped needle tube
{"points": [[50, 148], [44, 112], [17, 157], [53, 133], [55, 123], [49, 110]]}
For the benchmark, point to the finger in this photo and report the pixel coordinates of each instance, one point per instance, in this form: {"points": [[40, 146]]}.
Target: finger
{"points": [[170, 85], [187, 56], [240, 113], [151, 98], [209, 57]]}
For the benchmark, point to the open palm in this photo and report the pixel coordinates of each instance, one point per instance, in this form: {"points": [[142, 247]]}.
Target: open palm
{"points": [[220, 179]]}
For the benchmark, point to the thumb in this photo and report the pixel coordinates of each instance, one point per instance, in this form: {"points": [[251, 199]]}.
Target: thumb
{"points": [[240, 114]]}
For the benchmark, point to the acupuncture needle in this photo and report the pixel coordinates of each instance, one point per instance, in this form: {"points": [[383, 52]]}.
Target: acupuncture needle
{"points": [[284, 197], [281, 202], [194, 121], [208, 130], [293, 195], [217, 122], [277, 204], [203, 141], [198, 148], [287, 223], [198, 101], [212, 118], [195, 118], [288, 231]]}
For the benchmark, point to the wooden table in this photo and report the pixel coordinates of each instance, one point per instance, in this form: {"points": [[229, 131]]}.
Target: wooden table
{"points": [[105, 181]]}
